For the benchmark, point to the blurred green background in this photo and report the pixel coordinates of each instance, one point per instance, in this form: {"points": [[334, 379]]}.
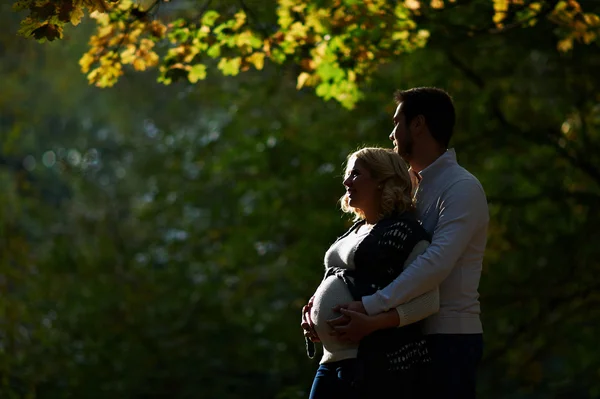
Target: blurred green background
{"points": [[159, 241]]}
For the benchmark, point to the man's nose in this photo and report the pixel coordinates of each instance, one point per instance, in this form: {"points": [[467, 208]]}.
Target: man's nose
{"points": [[391, 136]]}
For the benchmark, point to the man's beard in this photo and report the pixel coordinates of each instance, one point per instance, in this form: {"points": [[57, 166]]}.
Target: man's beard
{"points": [[405, 149]]}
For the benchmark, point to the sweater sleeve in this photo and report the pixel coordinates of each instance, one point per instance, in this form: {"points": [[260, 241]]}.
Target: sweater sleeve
{"points": [[424, 305], [463, 211]]}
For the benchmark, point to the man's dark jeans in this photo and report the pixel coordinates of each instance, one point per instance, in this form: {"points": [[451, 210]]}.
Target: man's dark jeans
{"points": [[455, 358]]}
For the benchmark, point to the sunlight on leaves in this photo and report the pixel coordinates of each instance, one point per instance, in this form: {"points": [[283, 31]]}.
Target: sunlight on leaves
{"points": [[337, 47]]}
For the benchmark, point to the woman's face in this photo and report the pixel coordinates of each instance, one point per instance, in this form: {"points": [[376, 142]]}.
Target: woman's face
{"points": [[361, 188]]}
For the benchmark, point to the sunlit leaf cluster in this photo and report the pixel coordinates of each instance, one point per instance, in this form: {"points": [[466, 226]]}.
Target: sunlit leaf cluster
{"points": [[47, 18], [336, 45]]}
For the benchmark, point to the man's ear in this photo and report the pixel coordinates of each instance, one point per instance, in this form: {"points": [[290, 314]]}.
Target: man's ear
{"points": [[418, 124]]}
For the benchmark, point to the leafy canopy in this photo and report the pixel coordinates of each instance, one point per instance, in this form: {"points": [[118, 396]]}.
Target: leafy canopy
{"points": [[336, 45]]}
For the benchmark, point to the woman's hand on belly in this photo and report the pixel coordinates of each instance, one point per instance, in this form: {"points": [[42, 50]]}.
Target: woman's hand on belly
{"points": [[307, 324]]}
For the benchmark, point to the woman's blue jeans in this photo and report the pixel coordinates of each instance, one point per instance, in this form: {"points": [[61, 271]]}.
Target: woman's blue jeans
{"points": [[335, 380]]}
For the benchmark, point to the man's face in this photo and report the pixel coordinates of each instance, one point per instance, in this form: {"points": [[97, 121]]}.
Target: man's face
{"points": [[401, 135]]}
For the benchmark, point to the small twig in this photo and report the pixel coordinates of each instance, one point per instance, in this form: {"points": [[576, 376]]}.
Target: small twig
{"points": [[580, 196], [539, 320], [541, 137], [205, 7], [471, 74], [253, 17], [495, 30]]}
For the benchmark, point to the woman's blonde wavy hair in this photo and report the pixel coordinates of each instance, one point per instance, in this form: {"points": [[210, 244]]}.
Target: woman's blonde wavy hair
{"points": [[391, 172]]}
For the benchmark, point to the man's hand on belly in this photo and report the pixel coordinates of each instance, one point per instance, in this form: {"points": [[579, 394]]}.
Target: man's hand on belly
{"points": [[346, 327], [355, 306], [352, 326]]}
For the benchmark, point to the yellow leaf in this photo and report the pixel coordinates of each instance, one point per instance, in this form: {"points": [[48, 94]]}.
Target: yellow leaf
{"points": [[401, 35], [302, 78], [146, 44], [240, 20], [243, 38], [76, 16], [565, 45], [299, 8], [535, 7], [592, 19], [423, 34], [267, 47], [589, 37], [128, 55], [151, 59], [102, 19], [500, 8], [412, 4], [257, 59], [284, 17], [139, 64], [125, 4], [437, 4], [315, 19], [105, 30], [86, 62], [298, 30]]}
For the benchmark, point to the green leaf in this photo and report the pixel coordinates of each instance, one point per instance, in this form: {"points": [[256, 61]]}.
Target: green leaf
{"points": [[230, 66], [278, 56], [198, 72], [209, 18], [214, 51]]}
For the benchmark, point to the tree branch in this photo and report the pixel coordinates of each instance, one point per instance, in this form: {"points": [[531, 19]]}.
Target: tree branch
{"points": [[538, 137], [492, 29], [254, 19], [541, 319], [517, 24], [205, 7], [468, 72], [580, 196]]}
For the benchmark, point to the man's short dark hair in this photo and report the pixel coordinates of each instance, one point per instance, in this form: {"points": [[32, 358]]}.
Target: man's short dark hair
{"points": [[436, 107]]}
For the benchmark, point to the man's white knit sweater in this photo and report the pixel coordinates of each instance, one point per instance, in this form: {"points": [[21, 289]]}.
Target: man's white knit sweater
{"points": [[452, 207]]}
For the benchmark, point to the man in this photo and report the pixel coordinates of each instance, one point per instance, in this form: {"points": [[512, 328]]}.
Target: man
{"points": [[452, 206]]}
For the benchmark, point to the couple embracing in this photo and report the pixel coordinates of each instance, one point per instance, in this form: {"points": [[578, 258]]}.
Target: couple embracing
{"points": [[397, 312]]}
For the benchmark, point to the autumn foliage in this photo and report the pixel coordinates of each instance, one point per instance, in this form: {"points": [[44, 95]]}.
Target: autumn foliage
{"points": [[337, 45]]}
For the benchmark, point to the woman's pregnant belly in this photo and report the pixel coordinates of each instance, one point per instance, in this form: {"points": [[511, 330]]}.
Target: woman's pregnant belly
{"points": [[330, 293]]}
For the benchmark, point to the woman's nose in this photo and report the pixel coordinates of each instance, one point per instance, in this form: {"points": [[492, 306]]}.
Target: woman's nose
{"points": [[348, 182]]}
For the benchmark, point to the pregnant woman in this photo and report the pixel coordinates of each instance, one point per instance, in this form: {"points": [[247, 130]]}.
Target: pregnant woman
{"points": [[391, 361]]}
